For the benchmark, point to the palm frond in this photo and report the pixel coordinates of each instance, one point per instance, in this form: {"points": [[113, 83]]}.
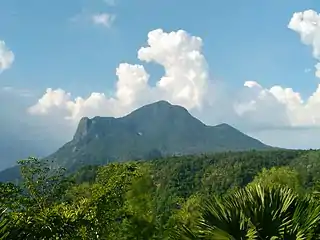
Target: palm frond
{"points": [[4, 224], [258, 212]]}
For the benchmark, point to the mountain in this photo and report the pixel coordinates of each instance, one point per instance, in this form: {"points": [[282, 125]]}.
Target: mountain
{"points": [[154, 130], [14, 147]]}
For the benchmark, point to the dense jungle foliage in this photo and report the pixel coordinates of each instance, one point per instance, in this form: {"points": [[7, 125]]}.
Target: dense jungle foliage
{"points": [[243, 195]]}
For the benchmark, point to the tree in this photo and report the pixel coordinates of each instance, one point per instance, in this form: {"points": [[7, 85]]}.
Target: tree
{"points": [[256, 212], [187, 215], [33, 210], [280, 176], [10, 196], [104, 211], [140, 208], [44, 183]]}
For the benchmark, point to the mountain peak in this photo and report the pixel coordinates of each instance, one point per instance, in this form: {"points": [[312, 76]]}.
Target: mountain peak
{"points": [[224, 126], [160, 108], [83, 128], [159, 127], [159, 105], [161, 102], [147, 116], [162, 115]]}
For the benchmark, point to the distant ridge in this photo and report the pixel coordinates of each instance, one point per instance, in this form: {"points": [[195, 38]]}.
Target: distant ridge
{"points": [[156, 129], [152, 131]]}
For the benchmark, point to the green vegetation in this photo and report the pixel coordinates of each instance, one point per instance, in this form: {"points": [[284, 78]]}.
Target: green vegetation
{"points": [[235, 195], [102, 140], [150, 132]]}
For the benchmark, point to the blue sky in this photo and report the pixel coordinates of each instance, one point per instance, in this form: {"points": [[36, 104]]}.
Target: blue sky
{"points": [[242, 40], [57, 44]]}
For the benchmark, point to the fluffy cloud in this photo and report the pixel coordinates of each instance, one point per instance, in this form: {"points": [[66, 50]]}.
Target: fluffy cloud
{"points": [[186, 82], [104, 19], [6, 57], [280, 106], [307, 25]]}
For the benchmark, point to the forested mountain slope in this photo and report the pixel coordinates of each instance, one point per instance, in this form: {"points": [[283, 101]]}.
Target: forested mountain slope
{"points": [[154, 130]]}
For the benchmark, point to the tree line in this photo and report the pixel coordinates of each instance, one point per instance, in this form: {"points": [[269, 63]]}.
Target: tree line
{"points": [[232, 195]]}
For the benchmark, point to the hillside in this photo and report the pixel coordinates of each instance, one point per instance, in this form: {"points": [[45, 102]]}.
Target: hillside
{"points": [[152, 200], [154, 130]]}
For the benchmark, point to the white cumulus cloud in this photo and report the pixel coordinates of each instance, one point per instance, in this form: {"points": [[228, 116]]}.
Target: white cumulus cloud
{"points": [[186, 82], [278, 106], [307, 25], [6, 56]]}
